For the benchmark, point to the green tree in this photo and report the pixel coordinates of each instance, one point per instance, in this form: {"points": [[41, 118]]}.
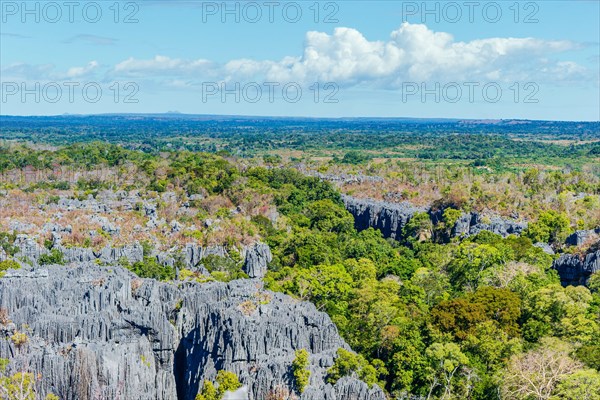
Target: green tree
{"points": [[419, 227], [8, 264], [348, 363], [324, 284], [327, 216], [226, 382], [562, 311], [18, 386], [581, 385], [446, 360], [300, 370], [209, 392], [435, 285], [458, 316], [54, 257], [550, 227], [469, 263], [500, 305], [150, 268]]}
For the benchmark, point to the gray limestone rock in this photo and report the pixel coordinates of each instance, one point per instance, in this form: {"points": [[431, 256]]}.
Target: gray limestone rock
{"points": [[497, 225], [575, 269], [389, 218], [29, 248], [99, 332], [77, 254], [112, 255], [150, 210], [546, 247], [580, 237], [257, 258]]}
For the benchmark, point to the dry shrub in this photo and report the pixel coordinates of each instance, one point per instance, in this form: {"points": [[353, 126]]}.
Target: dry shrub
{"points": [[4, 319], [136, 284], [247, 307], [99, 282], [213, 204], [280, 392]]}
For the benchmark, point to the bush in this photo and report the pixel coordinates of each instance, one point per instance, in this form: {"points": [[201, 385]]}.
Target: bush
{"points": [[6, 243], [551, 227], [351, 364], [8, 264], [226, 381], [54, 257], [150, 268], [355, 158], [300, 370]]}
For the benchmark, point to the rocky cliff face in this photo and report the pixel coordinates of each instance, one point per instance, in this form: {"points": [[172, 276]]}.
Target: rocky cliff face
{"points": [[101, 333], [255, 257], [581, 237], [472, 223], [390, 219], [575, 269]]}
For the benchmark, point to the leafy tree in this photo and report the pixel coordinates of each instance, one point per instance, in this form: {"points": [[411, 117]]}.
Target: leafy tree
{"points": [[581, 385], [54, 257], [327, 216], [458, 316], [490, 346], [469, 263], [589, 354], [226, 382], [446, 360], [150, 268], [348, 363], [500, 305], [551, 227], [19, 386], [450, 217], [300, 370], [7, 243], [355, 157], [419, 227], [8, 264], [374, 309], [324, 284], [435, 285], [209, 392], [563, 311]]}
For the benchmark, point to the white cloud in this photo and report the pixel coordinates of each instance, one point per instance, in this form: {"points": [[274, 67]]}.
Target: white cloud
{"points": [[412, 53], [78, 72], [47, 72], [161, 65]]}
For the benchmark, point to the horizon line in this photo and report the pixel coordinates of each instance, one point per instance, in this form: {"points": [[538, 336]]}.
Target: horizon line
{"points": [[215, 116]]}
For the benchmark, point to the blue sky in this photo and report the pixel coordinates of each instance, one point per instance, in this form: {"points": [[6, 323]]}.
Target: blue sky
{"points": [[481, 59]]}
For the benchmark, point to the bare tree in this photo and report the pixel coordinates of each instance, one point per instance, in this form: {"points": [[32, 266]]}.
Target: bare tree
{"points": [[536, 373]]}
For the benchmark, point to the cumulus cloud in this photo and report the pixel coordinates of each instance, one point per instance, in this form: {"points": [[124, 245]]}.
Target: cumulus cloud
{"points": [[412, 53]]}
